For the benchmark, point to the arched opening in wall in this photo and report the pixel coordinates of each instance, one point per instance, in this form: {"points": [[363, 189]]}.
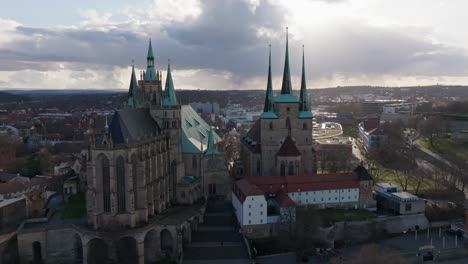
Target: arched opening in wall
{"points": [[10, 252], [135, 180], [291, 168], [78, 249], [127, 251], [151, 246], [37, 252], [167, 243], [282, 169], [103, 161], [120, 175], [97, 251]]}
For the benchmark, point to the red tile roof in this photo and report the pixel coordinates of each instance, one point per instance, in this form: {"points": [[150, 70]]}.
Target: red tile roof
{"points": [[284, 200], [264, 185], [288, 148]]}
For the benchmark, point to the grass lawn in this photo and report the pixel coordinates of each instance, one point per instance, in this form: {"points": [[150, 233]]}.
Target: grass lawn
{"points": [[338, 215], [76, 207], [351, 131], [427, 185], [447, 147]]}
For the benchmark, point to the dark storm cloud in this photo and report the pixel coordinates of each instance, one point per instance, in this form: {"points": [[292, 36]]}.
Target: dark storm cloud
{"points": [[225, 37], [227, 24]]}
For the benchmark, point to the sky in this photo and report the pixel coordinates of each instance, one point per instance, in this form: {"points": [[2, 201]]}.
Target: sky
{"points": [[223, 44]]}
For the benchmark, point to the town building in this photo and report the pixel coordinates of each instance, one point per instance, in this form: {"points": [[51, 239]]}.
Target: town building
{"points": [[147, 173], [390, 198], [335, 152], [371, 134], [280, 142], [261, 202]]}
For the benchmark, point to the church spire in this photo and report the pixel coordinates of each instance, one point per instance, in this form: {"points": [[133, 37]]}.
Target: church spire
{"points": [[150, 55], [304, 106], [150, 74], [269, 93], [169, 96], [132, 90], [286, 87]]}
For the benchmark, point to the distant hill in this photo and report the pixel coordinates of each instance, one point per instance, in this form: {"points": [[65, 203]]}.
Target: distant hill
{"points": [[63, 91], [9, 97]]}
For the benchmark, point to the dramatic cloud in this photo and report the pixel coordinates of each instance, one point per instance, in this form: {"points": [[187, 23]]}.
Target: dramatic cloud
{"points": [[217, 44]]}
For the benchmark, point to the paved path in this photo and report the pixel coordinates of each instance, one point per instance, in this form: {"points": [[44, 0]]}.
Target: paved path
{"points": [[216, 240]]}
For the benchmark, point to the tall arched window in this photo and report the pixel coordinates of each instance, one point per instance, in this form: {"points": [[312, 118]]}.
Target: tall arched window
{"points": [[258, 167], [106, 184], [135, 180], [120, 176], [194, 161], [282, 169], [291, 168]]}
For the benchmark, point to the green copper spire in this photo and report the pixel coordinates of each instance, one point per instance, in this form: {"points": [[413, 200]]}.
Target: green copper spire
{"points": [[210, 149], [106, 126], [304, 106], [132, 90], [150, 51], [150, 74], [169, 96], [269, 94], [286, 87]]}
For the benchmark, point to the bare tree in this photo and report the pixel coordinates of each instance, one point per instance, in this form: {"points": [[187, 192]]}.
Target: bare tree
{"points": [[432, 126], [403, 178], [370, 254]]}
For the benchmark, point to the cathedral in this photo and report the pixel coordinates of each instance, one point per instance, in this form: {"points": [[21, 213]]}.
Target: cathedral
{"points": [[154, 153], [280, 142]]}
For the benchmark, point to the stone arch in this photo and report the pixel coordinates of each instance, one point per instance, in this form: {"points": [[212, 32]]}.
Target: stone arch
{"points": [[103, 179], [167, 242], [151, 246], [98, 251], [120, 177], [37, 252], [127, 250]]}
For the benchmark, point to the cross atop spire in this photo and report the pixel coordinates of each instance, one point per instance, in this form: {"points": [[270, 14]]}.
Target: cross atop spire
{"points": [[169, 95], [286, 87], [132, 89]]}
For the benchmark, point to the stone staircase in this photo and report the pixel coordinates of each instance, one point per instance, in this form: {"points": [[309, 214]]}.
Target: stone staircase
{"points": [[216, 240]]}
